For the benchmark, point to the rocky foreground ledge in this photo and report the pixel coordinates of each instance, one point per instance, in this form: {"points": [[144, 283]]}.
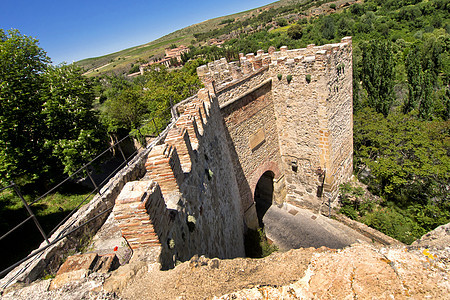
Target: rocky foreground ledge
{"points": [[361, 271]]}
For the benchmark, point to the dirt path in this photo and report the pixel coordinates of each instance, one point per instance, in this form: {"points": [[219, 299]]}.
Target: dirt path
{"points": [[203, 278]]}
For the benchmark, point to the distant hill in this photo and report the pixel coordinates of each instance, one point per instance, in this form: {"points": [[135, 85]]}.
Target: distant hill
{"points": [[122, 61]]}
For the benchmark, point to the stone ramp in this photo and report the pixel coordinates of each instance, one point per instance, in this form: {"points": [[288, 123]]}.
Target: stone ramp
{"points": [[291, 227]]}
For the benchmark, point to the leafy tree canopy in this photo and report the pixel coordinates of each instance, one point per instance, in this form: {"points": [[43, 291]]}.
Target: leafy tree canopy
{"points": [[46, 119], [408, 158]]}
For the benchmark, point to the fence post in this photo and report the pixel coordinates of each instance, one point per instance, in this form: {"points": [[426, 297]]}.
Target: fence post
{"points": [[93, 182], [123, 155], [16, 189]]}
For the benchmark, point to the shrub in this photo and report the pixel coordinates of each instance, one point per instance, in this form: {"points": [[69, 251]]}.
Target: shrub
{"points": [[282, 22], [295, 32], [308, 78], [351, 201], [289, 78], [390, 221]]}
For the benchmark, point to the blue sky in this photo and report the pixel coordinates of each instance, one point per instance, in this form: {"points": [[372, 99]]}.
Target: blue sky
{"points": [[72, 30]]}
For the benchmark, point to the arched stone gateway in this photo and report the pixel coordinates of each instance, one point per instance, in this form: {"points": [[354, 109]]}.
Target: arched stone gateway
{"points": [[263, 195]]}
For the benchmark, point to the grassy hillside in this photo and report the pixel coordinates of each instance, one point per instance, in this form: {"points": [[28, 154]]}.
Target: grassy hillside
{"points": [[121, 62]]}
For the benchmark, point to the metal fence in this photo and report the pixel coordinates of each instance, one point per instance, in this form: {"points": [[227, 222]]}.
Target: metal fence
{"points": [[86, 170]]}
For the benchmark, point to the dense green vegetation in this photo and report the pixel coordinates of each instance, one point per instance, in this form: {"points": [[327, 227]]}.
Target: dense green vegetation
{"points": [[48, 127], [405, 161], [47, 122], [129, 103], [401, 101]]}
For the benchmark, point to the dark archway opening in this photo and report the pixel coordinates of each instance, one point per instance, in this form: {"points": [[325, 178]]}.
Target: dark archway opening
{"points": [[264, 195], [257, 245]]}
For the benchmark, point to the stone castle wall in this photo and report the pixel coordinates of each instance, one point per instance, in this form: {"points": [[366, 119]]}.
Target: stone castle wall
{"points": [[253, 141], [310, 96], [288, 112], [314, 119], [188, 202]]}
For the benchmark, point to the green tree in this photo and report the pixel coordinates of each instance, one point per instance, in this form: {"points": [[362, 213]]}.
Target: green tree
{"points": [[415, 80], [73, 133], [21, 65], [344, 26], [328, 28], [282, 22], [46, 120], [407, 157], [295, 32], [377, 73], [125, 110]]}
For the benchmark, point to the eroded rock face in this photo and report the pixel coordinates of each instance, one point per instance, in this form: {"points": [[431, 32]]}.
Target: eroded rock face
{"points": [[438, 238], [364, 272], [361, 271]]}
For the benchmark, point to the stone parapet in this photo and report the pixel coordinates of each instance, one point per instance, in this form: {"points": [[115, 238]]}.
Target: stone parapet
{"points": [[163, 165], [166, 206], [179, 138], [140, 211]]}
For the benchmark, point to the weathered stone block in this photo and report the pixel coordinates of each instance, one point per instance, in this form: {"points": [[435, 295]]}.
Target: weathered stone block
{"points": [[257, 139], [78, 262]]}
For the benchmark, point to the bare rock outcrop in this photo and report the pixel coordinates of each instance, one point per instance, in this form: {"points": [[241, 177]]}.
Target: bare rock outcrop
{"points": [[364, 272], [439, 238], [361, 271]]}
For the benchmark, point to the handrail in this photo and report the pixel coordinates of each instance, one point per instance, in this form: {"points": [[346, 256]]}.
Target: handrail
{"points": [[97, 189]]}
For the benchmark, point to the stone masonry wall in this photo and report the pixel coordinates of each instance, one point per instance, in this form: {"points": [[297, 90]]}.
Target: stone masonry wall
{"points": [[188, 202], [253, 141], [314, 120], [311, 92], [340, 117]]}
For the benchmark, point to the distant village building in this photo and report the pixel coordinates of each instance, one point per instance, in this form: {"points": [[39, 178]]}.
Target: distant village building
{"points": [[176, 52], [216, 42], [170, 53]]}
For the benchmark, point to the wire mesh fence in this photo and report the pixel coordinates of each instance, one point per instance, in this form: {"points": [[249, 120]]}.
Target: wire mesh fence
{"points": [[18, 234]]}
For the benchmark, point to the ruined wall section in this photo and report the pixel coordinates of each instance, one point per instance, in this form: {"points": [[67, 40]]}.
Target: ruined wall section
{"points": [[192, 172], [313, 108]]}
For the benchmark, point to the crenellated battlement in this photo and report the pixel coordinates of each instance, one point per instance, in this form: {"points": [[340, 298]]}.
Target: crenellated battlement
{"points": [[285, 113], [222, 73], [179, 177]]}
